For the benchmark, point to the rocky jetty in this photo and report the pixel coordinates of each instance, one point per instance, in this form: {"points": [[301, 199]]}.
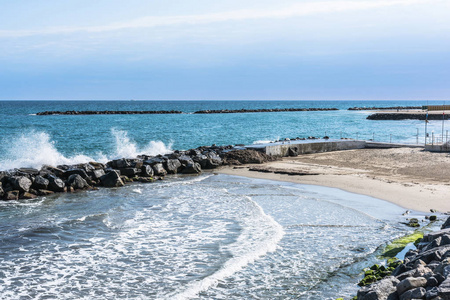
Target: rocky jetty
{"points": [[424, 273], [28, 183], [385, 108], [227, 111], [407, 116], [109, 112]]}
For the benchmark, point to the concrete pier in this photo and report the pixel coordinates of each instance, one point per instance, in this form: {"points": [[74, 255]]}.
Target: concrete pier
{"points": [[297, 147]]}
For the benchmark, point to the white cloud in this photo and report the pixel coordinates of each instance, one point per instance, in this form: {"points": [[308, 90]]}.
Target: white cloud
{"points": [[298, 10]]}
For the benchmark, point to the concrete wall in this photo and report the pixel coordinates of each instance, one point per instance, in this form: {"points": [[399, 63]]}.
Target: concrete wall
{"points": [[313, 147], [438, 148]]}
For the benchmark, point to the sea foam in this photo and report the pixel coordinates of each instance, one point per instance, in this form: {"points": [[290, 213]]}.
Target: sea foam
{"points": [[33, 149]]}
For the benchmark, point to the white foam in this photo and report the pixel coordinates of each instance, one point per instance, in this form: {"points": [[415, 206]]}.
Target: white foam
{"points": [[34, 149], [125, 147], [260, 235]]}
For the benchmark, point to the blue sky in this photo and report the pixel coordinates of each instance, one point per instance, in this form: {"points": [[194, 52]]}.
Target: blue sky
{"points": [[363, 49]]}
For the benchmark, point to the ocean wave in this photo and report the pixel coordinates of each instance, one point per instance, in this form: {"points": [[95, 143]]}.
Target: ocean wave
{"points": [[33, 149]]}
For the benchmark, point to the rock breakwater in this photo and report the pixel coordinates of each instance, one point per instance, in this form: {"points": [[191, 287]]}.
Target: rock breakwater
{"points": [[227, 111], [424, 273], [407, 116], [162, 112], [109, 112], [28, 183], [385, 108]]}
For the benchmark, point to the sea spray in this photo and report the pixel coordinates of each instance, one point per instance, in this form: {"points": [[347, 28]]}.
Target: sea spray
{"points": [[34, 149], [126, 147]]}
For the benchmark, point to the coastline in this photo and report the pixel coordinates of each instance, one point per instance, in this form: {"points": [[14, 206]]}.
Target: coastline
{"points": [[410, 178]]}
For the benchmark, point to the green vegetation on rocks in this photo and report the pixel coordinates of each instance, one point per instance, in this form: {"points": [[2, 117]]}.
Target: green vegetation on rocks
{"points": [[399, 244], [378, 272]]}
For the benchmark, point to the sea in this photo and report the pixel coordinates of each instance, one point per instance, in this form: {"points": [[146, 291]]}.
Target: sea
{"points": [[211, 236]]}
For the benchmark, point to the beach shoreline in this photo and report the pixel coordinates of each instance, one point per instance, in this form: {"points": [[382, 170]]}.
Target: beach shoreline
{"points": [[411, 178]]}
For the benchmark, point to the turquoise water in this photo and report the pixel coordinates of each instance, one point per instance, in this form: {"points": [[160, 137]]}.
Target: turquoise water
{"points": [[68, 138], [187, 237]]}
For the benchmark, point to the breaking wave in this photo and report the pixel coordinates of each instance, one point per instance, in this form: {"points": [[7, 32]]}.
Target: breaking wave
{"points": [[36, 148]]}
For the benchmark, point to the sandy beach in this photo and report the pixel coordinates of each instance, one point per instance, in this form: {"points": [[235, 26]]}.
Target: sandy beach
{"points": [[409, 177]]}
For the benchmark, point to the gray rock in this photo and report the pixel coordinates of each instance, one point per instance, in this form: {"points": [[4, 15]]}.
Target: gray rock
{"points": [[2, 192], [80, 172], [40, 183], [120, 163], [432, 293], [77, 182], [172, 166], [154, 160], [293, 151], [29, 171], [111, 179], [428, 238], [432, 282], [384, 289], [21, 183], [12, 195], [97, 173], [185, 160], [446, 224], [129, 172], [55, 171], [417, 293], [28, 196], [410, 283], [192, 168], [55, 184], [146, 171], [159, 169]]}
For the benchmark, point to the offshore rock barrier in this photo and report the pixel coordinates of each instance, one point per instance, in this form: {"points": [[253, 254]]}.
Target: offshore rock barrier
{"points": [[227, 111], [406, 116], [424, 274], [27, 183], [162, 112], [110, 112], [385, 108]]}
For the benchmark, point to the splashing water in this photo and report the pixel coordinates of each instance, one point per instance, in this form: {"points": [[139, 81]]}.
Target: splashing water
{"points": [[36, 148], [125, 147]]}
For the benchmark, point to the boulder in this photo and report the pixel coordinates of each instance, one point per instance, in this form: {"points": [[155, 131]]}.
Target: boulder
{"points": [[417, 293], [146, 171], [53, 171], [192, 168], [130, 172], [80, 172], [28, 196], [77, 182], [154, 160], [410, 283], [159, 169], [44, 192], [12, 195], [40, 183], [111, 179], [21, 183], [56, 184], [119, 163], [97, 165], [28, 171], [172, 166], [446, 224], [384, 289], [96, 174], [293, 151], [185, 160], [2, 192]]}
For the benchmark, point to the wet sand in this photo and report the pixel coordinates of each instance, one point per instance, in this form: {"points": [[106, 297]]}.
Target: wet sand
{"points": [[409, 177]]}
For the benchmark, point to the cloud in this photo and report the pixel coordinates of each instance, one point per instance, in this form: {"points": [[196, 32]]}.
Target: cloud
{"points": [[298, 10]]}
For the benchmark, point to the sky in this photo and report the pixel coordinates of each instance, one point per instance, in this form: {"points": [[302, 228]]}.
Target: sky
{"points": [[225, 50]]}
